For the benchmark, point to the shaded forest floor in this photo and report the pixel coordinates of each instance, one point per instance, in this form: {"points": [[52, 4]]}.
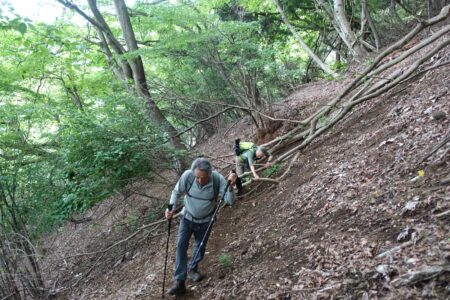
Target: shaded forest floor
{"points": [[353, 194]]}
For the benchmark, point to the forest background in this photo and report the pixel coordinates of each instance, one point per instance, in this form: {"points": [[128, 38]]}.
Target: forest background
{"points": [[88, 108]]}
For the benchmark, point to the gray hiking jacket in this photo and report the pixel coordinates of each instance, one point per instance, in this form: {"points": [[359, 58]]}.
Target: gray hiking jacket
{"points": [[199, 201]]}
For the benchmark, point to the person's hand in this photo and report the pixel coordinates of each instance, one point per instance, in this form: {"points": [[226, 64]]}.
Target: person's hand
{"points": [[256, 176], [268, 164], [169, 214]]}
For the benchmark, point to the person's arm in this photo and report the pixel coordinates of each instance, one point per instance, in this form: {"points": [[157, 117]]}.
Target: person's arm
{"points": [[251, 163], [269, 156], [269, 160], [176, 193], [253, 169], [229, 193]]}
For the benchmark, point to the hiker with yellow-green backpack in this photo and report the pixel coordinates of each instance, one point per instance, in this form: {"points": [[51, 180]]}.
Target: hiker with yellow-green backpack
{"points": [[246, 156]]}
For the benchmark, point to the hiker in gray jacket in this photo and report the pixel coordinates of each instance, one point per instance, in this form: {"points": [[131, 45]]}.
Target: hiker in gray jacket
{"points": [[201, 187]]}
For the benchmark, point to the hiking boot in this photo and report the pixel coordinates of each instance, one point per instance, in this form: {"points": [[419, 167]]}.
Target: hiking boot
{"points": [[177, 289], [195, 276]]}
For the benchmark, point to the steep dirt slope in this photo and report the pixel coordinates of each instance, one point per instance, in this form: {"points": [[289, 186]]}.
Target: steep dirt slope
{"points": [[317, 235], [348, 199]]}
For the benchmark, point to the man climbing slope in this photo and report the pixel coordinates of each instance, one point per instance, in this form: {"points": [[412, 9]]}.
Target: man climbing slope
{"points": [[201, 186]]}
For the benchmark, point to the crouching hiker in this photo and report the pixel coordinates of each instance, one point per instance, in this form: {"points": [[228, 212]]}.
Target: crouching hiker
{"points": [[246, 156], [201, 187]]}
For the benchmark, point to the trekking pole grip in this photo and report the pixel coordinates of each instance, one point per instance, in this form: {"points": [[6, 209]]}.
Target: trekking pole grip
{"points": [[169, 207], [226, 190]]}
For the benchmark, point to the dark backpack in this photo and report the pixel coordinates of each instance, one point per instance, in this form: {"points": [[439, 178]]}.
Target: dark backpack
{"points": [[216, 184]]}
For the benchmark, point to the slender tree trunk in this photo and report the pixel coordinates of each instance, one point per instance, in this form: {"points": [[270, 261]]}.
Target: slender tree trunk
{"points": [[429, 5], [101, 25], [346, 33], [17, 253], [305, 47], [115, 67], [132, 68], [72, 92], [374, 31], [307, 77], [364, 29], [364, 19], [139, 74], [393, 12], [242, 98]]}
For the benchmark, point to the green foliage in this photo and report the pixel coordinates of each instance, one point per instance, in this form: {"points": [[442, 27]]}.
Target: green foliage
{"points": [[272, 170], [61, 159], [224, 260], [105, 155], [338, 66], [71, 133], [323, 121], [153, 216], [15, 24], [198, 57], [117, 228], [11, 21], [133, 220]]}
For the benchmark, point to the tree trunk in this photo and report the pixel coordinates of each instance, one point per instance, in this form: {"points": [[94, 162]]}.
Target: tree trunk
{"points": [[364, 19], [393, 12], [374, 31], [72, 92], [117, 69], [112, 41], [139, 74], [305, 47], [346, 33], [133, 68]]}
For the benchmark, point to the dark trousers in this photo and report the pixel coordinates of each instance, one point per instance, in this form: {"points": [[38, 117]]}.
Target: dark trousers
{"points": [[185, 231]]}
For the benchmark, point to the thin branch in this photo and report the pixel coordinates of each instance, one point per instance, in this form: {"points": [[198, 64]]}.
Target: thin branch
{"points": [[436, 147], [204, 120], [293, 160], [252, 109], [121, 241], [409, 11]]}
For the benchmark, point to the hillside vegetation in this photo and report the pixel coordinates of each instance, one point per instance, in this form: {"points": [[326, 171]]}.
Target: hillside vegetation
{"points": [[98, 121], [355, 218]]}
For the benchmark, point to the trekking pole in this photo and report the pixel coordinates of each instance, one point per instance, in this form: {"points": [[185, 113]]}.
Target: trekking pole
{"points": [[169, 222], [211, 222]]}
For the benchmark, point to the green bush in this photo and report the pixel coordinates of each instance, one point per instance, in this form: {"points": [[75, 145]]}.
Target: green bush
{"points": [[274, 169], [224, 260]]}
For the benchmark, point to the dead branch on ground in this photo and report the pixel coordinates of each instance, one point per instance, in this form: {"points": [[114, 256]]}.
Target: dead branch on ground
{"points": [[436, 147], [425, 273]]}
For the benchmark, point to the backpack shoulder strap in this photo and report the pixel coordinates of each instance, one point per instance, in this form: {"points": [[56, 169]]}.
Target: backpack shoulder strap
{"points": [[189, 182], [216, 183]]}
